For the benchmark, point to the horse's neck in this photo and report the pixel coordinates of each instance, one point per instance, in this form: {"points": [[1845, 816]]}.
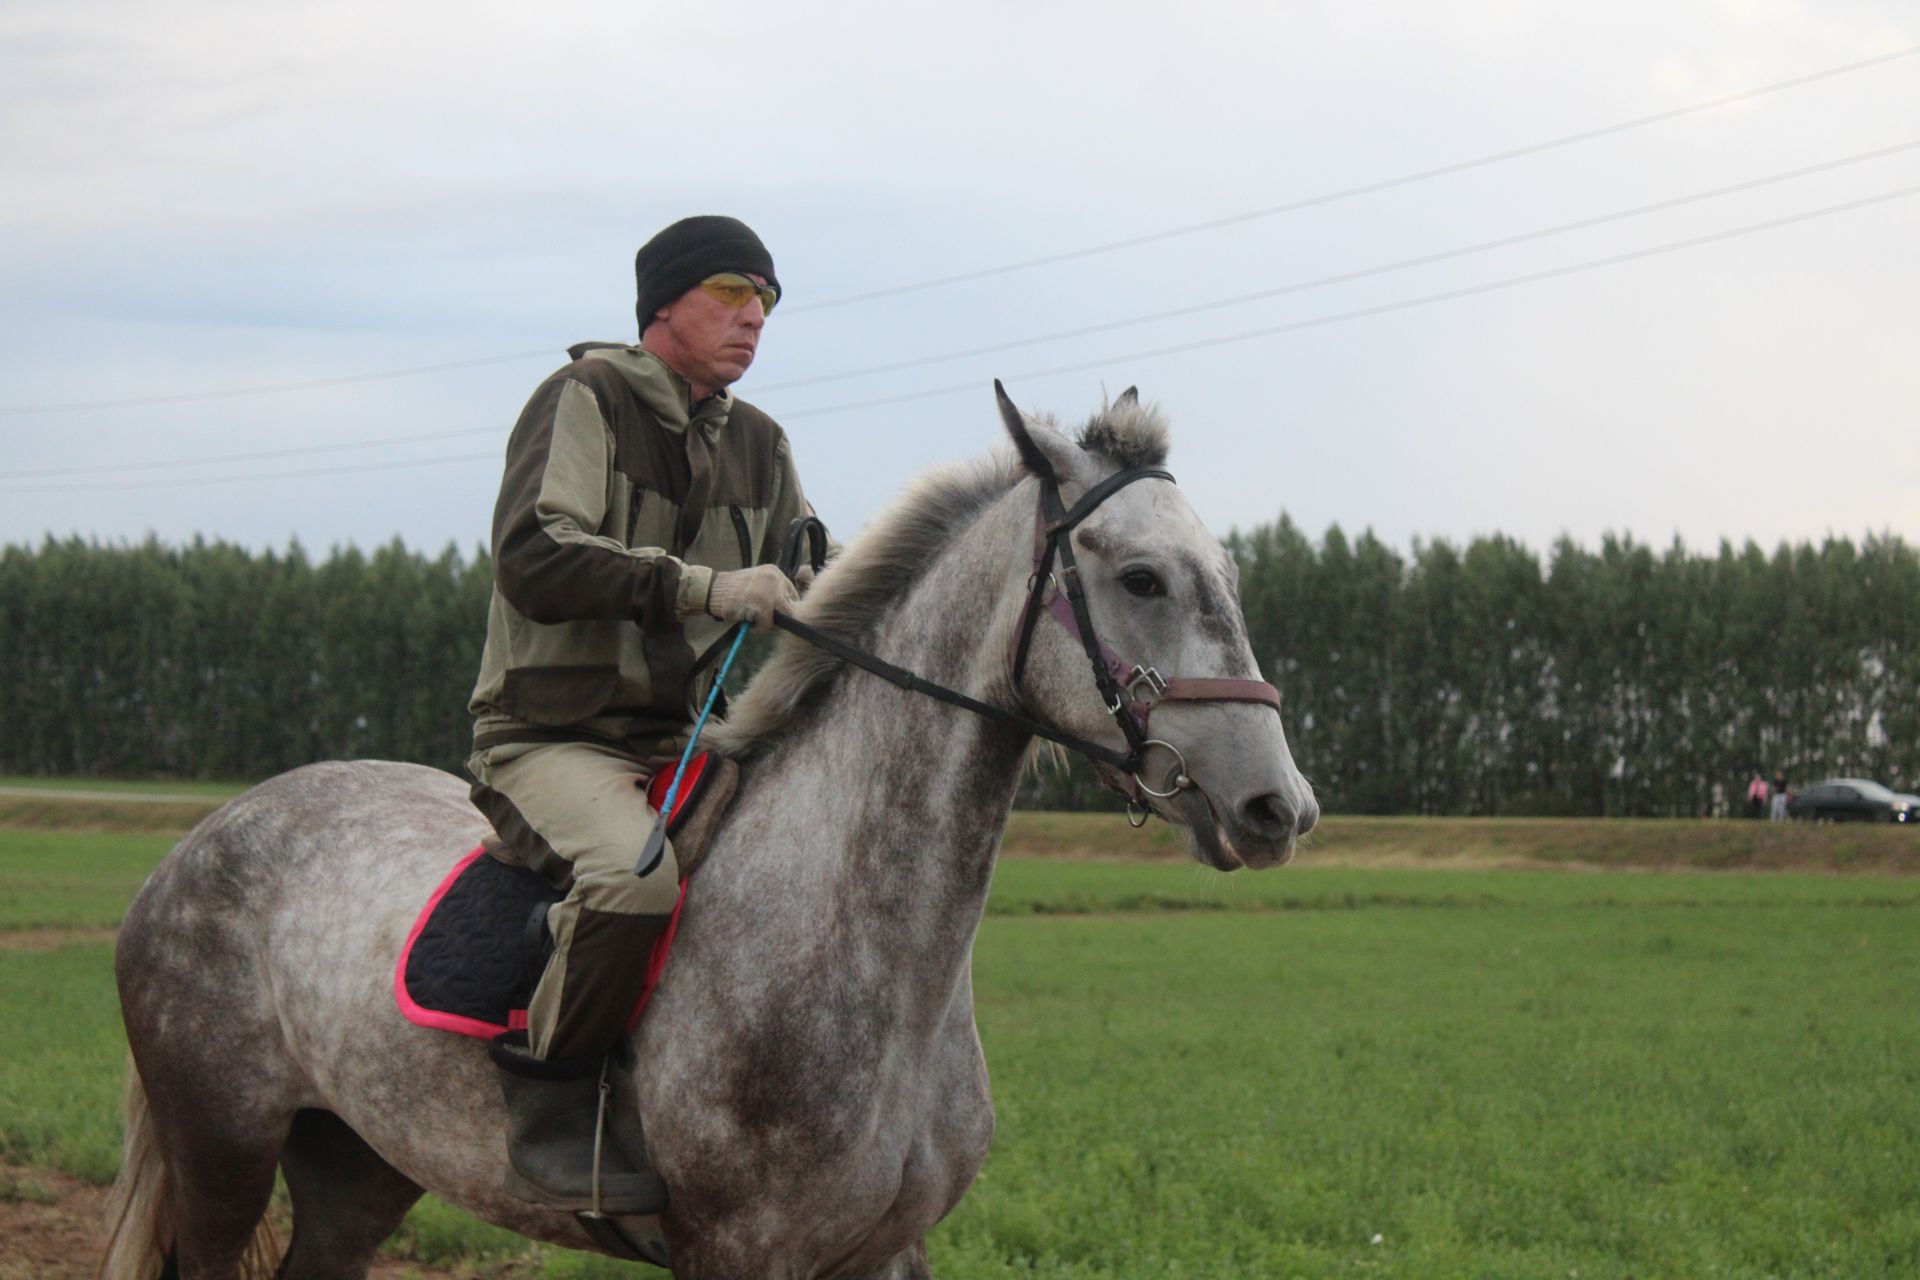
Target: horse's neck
{"points": [[905, 797]]}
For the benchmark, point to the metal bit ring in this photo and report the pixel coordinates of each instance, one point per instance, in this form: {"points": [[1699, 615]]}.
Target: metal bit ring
{"points": [[1181, 780]]}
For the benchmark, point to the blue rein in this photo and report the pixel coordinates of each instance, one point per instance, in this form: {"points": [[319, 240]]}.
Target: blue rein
{"points": [[656, 845]]}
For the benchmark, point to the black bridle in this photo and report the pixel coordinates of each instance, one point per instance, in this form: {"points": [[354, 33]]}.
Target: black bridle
{"points": [[1129, 692]]}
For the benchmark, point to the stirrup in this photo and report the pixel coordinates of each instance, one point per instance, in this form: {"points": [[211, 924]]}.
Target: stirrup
{"points": [[600, 1135]]}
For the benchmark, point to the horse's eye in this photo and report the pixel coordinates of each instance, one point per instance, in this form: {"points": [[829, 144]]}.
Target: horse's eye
{"points": [[1142, 582]]}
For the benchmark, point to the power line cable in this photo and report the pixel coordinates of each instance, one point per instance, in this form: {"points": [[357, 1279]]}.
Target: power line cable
{"points": [[1340, 317], [492, 455], [1040, 339], [1344, 277], [1026, 264], [1348, 193], [263, 456], [1246, 335], [265, 388]]}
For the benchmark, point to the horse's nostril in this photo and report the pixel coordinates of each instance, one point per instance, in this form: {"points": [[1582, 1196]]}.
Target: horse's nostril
{"points": [[1270, 816]]}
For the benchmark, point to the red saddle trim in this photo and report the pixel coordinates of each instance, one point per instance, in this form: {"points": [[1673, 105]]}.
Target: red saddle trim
{"points": [[684, 798], [414, 1012], [459, 1024]]}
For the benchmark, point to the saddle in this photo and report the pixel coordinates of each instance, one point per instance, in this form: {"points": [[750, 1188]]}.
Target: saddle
{"points": [[469, 965]]}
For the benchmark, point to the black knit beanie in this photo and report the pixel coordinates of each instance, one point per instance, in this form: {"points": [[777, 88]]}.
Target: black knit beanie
{"points": [[688, 252]]}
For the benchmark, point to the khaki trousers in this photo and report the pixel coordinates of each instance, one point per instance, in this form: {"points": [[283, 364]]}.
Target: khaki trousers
{"points": [[577, 813]]}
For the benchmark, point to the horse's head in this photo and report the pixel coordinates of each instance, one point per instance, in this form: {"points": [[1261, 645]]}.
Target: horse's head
{"points": [[1162, 596]]}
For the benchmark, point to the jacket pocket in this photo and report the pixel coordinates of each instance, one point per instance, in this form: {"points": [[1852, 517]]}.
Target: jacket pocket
{"points": [[558, 695]]}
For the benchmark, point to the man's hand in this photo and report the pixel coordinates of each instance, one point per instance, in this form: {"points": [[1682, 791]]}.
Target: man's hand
{"points": [[751, 595]]}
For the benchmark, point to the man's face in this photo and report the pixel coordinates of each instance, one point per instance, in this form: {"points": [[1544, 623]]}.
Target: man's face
{"points": [[704, 340]]}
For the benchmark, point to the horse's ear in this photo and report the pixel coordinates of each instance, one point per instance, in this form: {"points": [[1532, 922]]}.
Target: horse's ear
{"points": [[1030, 453], [1130, 396]]}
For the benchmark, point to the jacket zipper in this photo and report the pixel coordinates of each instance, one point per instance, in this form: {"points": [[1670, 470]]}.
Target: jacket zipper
{"points": [[746, 539]]}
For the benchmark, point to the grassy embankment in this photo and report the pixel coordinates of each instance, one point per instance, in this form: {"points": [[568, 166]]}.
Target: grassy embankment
{"points": [[1329, 1071], [214, 791], [1437, 843]]}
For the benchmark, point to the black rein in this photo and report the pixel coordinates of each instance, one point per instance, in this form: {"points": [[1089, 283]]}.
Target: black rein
{"points": [[1053, 542], [915, 684], [807, 534]]}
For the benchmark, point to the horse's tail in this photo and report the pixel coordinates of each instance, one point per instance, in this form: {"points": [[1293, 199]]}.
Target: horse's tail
{"points": [[139, 1207], [141, 1227]]}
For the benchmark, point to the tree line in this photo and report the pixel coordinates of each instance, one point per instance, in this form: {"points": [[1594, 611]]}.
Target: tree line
{"points": [[1475, 679], [209, 661], [1614, 681]]}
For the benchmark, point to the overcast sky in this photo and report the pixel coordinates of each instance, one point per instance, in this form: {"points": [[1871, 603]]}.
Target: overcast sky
{"points": [[205, 197]]}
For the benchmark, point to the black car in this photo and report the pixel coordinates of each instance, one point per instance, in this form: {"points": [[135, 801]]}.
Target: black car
{"points": [[1851, 800]]}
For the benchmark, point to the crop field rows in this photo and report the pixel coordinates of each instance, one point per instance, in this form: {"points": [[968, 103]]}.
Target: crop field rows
{"points": [[1326, 1071]]}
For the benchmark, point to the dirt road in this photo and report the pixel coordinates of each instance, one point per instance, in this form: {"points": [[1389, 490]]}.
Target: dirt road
{"points": [[53, 1227]]}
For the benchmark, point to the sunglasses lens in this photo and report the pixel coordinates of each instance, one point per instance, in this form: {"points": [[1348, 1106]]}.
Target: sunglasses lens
{"points": [[735, 290]]}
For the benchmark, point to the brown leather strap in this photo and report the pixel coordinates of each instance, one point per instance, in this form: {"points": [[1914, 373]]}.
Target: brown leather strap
{"points": [[1220, 689]]}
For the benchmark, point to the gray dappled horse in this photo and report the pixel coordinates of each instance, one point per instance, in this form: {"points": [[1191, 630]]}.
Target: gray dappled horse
{"points": [[809, 1074]]}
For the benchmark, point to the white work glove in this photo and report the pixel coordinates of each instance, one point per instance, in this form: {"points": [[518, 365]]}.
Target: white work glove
{"points": [[751, 595], [803, 577]]}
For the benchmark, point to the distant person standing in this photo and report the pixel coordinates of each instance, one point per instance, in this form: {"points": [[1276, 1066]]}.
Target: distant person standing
{"points": [[1756, 796], [1779, 795]]}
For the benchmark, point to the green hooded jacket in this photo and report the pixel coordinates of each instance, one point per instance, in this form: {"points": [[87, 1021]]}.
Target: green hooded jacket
{"points": [[620, 502]]}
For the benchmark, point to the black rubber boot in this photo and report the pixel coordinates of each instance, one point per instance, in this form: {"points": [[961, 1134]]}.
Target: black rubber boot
{"points": [[553, 1116]]}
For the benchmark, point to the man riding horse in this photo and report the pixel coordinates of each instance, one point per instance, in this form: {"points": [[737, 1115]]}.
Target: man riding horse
{"points": [[641, 511]]}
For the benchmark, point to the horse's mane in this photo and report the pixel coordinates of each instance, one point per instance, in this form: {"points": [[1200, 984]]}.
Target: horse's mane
{"points": [[853, 595], [875, 572]]}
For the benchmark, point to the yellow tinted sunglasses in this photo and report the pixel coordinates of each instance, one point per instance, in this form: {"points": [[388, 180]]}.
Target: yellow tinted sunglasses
{"points": [[734, 290]]}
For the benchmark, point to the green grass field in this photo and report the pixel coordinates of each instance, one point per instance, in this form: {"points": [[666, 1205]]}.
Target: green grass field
{"points": [[62, 879], [1318, 1072]]}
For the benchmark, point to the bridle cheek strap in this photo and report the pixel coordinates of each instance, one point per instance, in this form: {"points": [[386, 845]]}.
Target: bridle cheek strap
{"points": [[1130, 691]]}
